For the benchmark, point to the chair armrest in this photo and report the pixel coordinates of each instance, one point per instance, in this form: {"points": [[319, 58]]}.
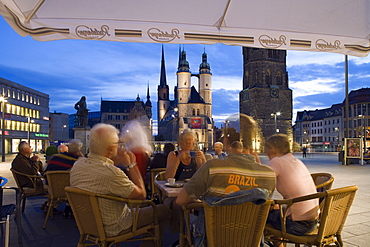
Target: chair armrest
{"points": [[289, 202], [136, 205]]}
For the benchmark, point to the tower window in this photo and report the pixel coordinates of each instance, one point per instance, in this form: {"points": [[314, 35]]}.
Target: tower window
{"points": [[279, 80]]}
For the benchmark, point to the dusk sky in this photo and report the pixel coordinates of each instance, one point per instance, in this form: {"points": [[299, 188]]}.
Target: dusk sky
{"points": [[69, 69]]}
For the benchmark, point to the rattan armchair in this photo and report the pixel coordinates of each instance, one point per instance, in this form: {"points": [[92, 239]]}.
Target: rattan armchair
{"points": [[7, 210], [153, 188], [323, 181], [331, 221], [161, 176], [231, 225], [85, 207], [57, 181], [26, 192]]}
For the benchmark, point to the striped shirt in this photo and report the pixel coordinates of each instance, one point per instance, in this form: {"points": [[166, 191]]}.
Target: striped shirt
{"points": [[62, 161], [98, 174]]}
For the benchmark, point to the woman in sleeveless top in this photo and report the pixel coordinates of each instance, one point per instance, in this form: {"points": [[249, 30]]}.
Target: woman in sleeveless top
{"points": [[184, 163]]}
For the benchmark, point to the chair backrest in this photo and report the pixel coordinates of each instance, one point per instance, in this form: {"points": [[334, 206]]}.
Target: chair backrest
{"points": [[323, 181], [236, 225], [35, 179], [154, 172], [161, 176], [57, 181], [86, 211], [335, 211]]}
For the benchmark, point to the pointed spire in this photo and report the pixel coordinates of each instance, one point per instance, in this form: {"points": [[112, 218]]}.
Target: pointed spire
{"points": [[148, 103], [138, 97], [183, 64], [204, 67], [163, 78]]}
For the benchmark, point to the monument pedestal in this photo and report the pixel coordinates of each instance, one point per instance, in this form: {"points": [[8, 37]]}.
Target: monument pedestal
{"points": [[83, 134]]}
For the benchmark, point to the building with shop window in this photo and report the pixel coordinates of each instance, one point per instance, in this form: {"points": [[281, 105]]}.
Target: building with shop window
{"points": [[324, 129], [191, 108], [26, 116]]}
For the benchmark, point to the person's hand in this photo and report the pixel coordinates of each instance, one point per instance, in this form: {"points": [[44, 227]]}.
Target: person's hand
{"points": [[183, 155], [35, 158], [123, 158]]}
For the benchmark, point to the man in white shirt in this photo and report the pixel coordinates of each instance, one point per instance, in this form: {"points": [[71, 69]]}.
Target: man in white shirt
{"points": [[111, 170]]}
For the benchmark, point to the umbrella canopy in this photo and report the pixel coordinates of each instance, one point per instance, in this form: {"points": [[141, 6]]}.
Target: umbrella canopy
{"points": [[340, 26]]}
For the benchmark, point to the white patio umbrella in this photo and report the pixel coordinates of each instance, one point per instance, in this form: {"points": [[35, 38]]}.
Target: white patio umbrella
{"points": [[340, 26]]}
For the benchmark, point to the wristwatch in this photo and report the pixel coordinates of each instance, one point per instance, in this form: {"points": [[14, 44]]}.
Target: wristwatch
{"points": [[127, 168]]}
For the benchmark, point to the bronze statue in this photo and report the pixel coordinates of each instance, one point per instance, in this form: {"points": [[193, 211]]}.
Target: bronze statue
{"points": [[82, 112]]}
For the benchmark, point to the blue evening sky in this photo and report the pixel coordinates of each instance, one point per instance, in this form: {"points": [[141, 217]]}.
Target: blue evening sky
{"points": [[69, 69]]}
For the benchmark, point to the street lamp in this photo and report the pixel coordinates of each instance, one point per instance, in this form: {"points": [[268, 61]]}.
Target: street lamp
{"points": [[2, 101], [337, 137], [63, 127], [29, 121], [275, 114]]}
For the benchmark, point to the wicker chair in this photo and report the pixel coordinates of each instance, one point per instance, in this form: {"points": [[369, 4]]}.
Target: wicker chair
{"points": [[8, 210], [57, 181], [232, 225], [336, 206], [323, 181], [161, 176], [85, 207], [153, 188], [26, 192]]}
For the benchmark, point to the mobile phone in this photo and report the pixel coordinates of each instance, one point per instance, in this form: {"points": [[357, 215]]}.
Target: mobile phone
{"points": [[192, 154]]}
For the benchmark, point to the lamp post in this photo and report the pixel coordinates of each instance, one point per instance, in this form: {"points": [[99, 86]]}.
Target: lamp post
{"points": [[363, 123], [275, 114], [2, 101], [337, 137], [63, 127]]}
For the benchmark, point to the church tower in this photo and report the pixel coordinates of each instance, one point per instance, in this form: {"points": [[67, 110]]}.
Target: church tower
{"points": [[163, 91], [205, 85], [183, 87], [266, 95], [148, 104]]}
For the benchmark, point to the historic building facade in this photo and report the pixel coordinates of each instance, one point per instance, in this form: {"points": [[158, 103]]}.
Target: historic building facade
{"points": [[324, 129], [191, 108], [266, 95], [118, 113]]}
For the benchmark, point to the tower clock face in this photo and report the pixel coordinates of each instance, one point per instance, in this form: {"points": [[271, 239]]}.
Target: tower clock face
{"points": [[274, 92]]}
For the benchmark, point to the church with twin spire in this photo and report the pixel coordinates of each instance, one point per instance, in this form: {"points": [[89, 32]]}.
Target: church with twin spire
{"points": [[191, 107]]}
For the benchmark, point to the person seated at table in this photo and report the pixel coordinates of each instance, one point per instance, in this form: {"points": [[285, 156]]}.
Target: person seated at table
{"points": [[26, 164], [184, 163], [160, 159], [236, 172], [218, 151], [293, 180], [111, 170]]}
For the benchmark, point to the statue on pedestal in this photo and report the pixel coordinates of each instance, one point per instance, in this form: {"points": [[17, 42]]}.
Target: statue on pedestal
{"points": [[82, 112]]}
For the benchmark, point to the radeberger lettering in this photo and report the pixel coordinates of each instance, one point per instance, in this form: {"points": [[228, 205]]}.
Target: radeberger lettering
{"points": [[86, 32], [242, 180], [163, 36], [324, 45], [269, 42]]}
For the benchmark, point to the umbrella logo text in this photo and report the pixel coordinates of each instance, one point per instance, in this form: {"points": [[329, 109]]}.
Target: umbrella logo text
{"points": [[86, 32], [324, 45], [163, 36], [269, 42]]}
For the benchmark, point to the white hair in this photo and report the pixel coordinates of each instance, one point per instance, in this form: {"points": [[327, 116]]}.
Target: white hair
{"points": [[102, 136], [74, 146]]}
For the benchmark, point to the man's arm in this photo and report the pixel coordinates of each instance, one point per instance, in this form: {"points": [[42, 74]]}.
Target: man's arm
{"points": [[183, 198], [123, 160]]}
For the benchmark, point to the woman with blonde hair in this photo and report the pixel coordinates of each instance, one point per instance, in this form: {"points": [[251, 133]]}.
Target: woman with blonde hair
{"points": [[183, 164]]}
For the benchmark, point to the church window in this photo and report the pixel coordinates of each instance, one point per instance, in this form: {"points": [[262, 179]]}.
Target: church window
{"points": [[279, 79], [185, 83], [198, 112], [206, 84], [268, 77], [272, 53], [193, 112]]}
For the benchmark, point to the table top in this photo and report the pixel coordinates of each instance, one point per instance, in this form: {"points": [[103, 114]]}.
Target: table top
{"points": [[168, 191]]}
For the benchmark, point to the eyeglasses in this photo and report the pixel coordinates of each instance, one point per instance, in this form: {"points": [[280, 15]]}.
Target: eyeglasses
{"points": [[120, 144]]}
